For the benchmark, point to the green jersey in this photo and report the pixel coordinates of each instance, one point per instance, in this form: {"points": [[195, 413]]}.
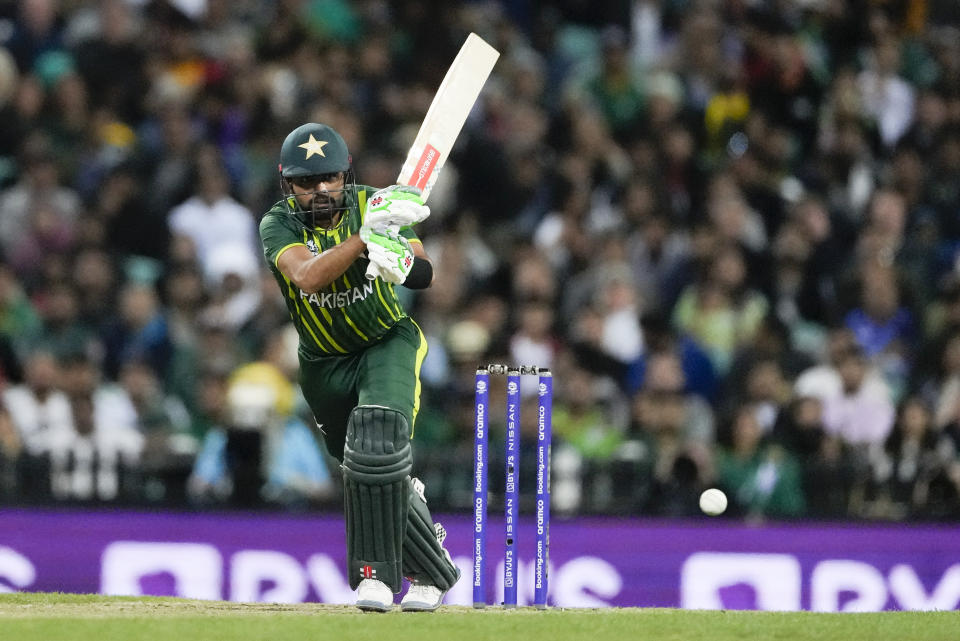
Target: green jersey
{"points": [[351, 312]]}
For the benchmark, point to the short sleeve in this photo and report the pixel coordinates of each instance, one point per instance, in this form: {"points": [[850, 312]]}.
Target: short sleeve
{"points": [[277, 235]]}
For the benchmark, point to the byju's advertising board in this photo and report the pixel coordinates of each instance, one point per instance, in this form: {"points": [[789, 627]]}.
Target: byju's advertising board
{"points": [[704, 564]]}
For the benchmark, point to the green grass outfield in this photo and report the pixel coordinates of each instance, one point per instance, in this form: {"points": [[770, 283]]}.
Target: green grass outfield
{"points": [[70, 617]]}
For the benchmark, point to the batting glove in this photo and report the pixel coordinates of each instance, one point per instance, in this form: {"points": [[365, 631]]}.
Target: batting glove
{"points": [[396, 205], [390, 254]]}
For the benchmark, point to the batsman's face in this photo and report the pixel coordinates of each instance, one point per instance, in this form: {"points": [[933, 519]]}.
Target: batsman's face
{"points": [[321, 193]]}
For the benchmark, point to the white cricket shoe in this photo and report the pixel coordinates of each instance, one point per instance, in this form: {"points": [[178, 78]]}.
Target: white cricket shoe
{"points": [[421, 598], [374, 596]]}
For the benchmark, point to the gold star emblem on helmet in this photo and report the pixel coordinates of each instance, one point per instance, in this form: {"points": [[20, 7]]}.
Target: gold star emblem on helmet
{"points": [[314, 146]]}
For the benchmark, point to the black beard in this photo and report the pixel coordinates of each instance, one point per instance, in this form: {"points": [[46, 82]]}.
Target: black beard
{"points": [[322, 208]]}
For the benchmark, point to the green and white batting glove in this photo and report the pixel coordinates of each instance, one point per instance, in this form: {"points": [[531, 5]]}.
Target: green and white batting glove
{"points": [[390, 254], [396, 205]]}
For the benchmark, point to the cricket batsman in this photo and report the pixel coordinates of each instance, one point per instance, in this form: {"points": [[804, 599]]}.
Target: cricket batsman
{"points": [[338, 250]]}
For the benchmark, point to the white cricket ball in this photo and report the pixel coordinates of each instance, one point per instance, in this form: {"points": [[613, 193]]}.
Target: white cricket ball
{"points": [[713, 501]]}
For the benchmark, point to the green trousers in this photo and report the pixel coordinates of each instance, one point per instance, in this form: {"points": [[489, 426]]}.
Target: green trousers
{"points": [[386, 373]]}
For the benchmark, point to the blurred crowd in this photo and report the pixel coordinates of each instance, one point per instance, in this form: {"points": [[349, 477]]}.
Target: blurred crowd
{"points": [[730, 228]]}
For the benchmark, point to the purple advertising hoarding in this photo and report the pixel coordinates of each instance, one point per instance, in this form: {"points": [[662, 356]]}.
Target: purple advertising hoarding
{"points": [[594, 562]]}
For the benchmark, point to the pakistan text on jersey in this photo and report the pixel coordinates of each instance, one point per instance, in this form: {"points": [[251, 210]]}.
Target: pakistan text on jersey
{"points": [[336, 300]]}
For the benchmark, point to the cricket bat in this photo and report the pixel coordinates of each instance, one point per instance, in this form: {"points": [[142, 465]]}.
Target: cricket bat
{"points": [[449, 110]]}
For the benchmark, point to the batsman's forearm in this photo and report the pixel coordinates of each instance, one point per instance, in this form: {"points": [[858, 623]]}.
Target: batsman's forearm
{"points": [[323, 269]]}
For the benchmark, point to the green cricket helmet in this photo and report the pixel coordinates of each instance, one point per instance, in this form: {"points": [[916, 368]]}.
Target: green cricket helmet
{"points": [[313, 149]]}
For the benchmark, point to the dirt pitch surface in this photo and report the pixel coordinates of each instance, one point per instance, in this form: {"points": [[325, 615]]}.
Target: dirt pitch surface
{"points": [[132, 607]]}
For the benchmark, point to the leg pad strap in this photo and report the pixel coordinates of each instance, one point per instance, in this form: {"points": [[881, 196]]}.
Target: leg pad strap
{"points": [[424, 558]]}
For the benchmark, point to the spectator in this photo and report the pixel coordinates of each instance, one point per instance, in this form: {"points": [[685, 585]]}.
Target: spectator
{"points": [[657, 251], [698, 373], [664, 376], [533, 341], [95, 275], [734, 221], [563, 233], [791, 252], [41, 204], [603, 304], [169, 447], [111, 60], [36, 407], [767, 391], [827, 473], [909, 476], [721, 311], [782, 84], [37, 30], [211, 219], [584, 417], [845, 164], [233, 280], [883, 327], [818, 298], [117, 211], [165, 161], [700, 55], [823, 380], [887, 98], [63, 329], [140, 331], [44, 232], [674, 435], [615, 86], [261, 453], [944, 386], [95, 455], [762, 479], [772, 344], [19, 321], [862, 414]]}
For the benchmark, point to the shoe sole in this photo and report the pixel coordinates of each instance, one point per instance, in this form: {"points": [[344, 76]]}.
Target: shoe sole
{"points": [[419, 606], [374, 606]]}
